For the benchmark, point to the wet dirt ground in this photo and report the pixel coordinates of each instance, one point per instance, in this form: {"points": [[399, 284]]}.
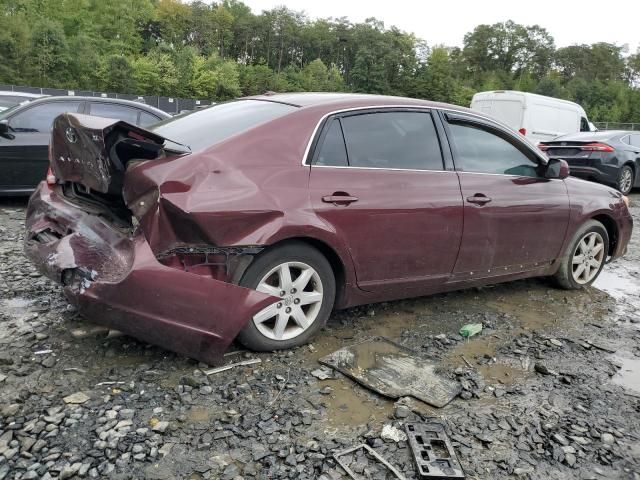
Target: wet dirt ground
{"points": [[551, 387]]}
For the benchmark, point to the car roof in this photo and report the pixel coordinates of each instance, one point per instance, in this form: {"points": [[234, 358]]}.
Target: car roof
{"points": [[351, 100], [129, 103], [9, 93], [599, 135]]}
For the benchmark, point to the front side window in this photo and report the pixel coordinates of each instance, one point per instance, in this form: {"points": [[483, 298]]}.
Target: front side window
{"points": [[584, 125], [478, 150], [405, 140], [40, 118], [111, 110]]}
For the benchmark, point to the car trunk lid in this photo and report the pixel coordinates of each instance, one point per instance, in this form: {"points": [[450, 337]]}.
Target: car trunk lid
{"points": [[94, 151]]}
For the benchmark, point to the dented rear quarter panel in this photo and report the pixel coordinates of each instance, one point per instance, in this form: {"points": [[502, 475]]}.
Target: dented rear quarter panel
{"points": [[117, 280], [257, 195]]}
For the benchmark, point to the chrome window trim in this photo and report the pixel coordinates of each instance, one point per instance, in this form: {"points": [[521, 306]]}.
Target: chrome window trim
{"points": [[382, 168], [492, 122]]}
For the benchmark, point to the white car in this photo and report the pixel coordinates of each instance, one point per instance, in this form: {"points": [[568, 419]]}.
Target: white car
{"points": [[10, 99], [537, 117]]}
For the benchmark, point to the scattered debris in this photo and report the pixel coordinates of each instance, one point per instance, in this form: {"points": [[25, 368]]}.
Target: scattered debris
{"points": [[43, 352], [393, 371], [432, 451], [371, 452], [392, 434], [470, 329], [232, 365], [322, 373]]}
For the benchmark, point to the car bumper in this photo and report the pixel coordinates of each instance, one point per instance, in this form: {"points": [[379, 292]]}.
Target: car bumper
{"points": [[591, 173], [114, 279]]}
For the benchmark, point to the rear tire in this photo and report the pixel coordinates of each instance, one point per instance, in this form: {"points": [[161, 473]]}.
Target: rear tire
{"points": [[584, 258], [303, 278], [626, 178]]}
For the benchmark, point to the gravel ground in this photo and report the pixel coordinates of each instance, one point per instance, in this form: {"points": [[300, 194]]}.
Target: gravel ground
{"points": [[551, 387]]}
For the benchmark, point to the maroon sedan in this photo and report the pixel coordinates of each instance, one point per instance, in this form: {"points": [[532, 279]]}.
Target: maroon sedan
{"points": [[256, 218]]}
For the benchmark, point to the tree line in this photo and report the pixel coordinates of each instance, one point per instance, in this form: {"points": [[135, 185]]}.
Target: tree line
{"points": [[222, 50]]}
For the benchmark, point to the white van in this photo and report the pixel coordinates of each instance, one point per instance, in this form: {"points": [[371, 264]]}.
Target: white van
{"points": [[537, 117]]}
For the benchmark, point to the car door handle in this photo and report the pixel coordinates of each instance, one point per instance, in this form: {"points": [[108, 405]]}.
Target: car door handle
{"points": [[339, 198], [478, 199]]}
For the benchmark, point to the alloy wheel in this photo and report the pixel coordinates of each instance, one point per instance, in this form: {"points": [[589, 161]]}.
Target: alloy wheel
{"points": [[300, 289], [626, 179], [588, 258]]}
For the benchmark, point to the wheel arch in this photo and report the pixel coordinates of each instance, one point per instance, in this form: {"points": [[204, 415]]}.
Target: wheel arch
{"points": [[612, 230], [338, 264]]}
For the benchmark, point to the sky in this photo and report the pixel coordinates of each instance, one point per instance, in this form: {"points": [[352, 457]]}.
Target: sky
{"points": [[446, 22]]}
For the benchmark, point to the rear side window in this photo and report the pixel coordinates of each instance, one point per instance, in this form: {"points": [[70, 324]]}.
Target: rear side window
{"points": [[481, 151], [147, 119], [111, 110], [635, 140], [40, 118], [405, 140], [204, 128], [332, 151]]}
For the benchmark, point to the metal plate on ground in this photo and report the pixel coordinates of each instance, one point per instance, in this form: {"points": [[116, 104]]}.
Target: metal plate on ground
{"points": [[393, 370], [432, 451]]}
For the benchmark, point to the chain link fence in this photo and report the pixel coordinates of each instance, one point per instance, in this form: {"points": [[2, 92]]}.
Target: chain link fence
{"points": [[170, 105], [617, 126]]}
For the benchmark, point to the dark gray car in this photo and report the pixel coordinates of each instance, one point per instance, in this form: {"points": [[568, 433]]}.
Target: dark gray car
{"points": [[25, 131], [609, 157]]}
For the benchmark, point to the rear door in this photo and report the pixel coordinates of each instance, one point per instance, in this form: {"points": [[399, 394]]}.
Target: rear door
{"points": [[24, 160], [514, 219], [378, 179]]}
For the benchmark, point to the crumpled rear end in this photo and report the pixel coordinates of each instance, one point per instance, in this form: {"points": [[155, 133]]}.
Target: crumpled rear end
{"points": [[114, 278]]}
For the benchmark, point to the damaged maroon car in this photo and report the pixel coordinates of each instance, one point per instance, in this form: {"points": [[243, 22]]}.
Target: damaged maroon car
{"points": [[256, 218]]}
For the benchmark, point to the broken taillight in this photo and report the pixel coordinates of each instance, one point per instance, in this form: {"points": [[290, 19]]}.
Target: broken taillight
{"points": [[51, 178]]}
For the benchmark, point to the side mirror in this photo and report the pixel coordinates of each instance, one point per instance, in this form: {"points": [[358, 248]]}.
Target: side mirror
{"points": [[4, 130], [557, 168]]}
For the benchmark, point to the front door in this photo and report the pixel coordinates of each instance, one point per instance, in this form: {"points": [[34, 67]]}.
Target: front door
{"points": [[515, 219], [377, 179]]}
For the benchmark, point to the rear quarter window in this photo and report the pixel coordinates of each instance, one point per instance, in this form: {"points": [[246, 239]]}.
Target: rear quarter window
{"points": [[204, 128]]}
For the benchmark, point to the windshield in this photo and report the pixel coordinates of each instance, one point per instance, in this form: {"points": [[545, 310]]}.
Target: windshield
{"points": [[204, 128], [7, 111]]}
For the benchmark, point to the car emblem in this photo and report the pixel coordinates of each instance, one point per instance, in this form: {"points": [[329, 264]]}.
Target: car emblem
{"points": [[70, 133]]}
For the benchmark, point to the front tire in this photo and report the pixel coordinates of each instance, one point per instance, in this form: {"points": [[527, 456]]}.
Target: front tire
{"points": [[625, 179], [585, 257], [302, 277]]}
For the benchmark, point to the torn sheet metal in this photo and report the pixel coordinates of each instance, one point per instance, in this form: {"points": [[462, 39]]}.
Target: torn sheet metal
{"points": [[115, 280], [369, 451], [393, 371], [432, 451]]}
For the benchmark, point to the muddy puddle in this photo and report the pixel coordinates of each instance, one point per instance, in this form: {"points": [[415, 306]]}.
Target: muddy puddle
{"points": [[349, 405], [619, 284], [628, 376]]}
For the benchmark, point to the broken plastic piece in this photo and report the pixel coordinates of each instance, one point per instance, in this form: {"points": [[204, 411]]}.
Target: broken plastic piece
{"points": [[232, 365], [432, 451], [470, 329], [394, 371], [371, 452]]}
